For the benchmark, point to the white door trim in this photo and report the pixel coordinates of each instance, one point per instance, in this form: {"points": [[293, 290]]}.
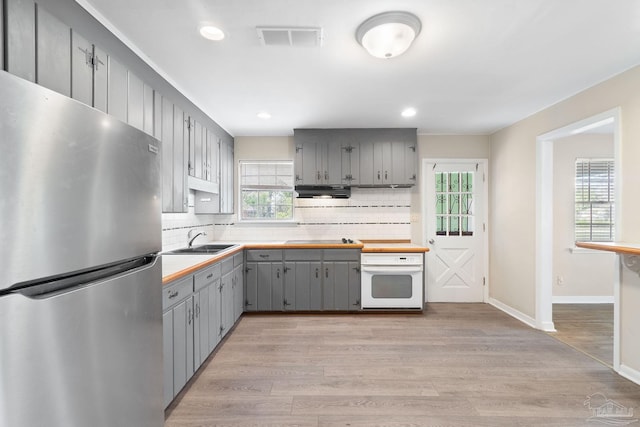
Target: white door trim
{"points": [[485, 213], [544, 221]]}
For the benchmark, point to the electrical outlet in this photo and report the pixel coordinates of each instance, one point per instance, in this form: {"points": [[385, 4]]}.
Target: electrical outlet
{"points": [[560, 280]]}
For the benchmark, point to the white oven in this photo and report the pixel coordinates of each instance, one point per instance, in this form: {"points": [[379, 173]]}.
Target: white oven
{"points": [[392, 280]]}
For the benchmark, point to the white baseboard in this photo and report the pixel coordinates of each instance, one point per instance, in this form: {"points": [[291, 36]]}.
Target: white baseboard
{"points": [[585, 299], [629, 373], [513, 312]]}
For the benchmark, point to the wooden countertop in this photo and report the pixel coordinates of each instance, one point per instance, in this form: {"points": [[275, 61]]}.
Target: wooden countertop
{"points": [[391, 246], [177, 266], [618, 247]]}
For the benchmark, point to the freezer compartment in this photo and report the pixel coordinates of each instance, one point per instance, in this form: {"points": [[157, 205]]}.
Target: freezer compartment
{"points": [[87, 356]]}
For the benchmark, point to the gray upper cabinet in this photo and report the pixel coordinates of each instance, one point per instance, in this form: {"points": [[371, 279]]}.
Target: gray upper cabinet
{"points": [[118, 83], [53, 53], [20, 54], [100, 79], [1, 34], [226, 177], [148, 107], [135, 101], [81, 69], [319, 159], [180, 159], [356, 157], [166, 137]]}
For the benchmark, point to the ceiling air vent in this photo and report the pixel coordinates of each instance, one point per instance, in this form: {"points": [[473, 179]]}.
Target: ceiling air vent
{"points": [[292, 36]]}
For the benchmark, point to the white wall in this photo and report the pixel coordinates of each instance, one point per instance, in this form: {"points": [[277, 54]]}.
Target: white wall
{"points": [[584, 275], [512, 199]]}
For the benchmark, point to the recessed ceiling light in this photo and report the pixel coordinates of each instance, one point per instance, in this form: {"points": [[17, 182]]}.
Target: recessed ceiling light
{"points": [[409, 112], [264, 115], [212, 33]]}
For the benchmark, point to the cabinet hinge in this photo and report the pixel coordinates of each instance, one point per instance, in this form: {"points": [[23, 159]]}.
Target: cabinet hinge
{"points": [[348, 149], [96, 62], [477, 164], [298, 148], [413, 148]]}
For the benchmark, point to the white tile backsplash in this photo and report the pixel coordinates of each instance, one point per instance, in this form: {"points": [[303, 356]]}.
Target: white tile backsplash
{"points": [[370, 213]]}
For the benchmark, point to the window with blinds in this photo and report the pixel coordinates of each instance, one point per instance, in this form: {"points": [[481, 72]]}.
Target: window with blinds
{"points": [[594, 202], [266, 190]]}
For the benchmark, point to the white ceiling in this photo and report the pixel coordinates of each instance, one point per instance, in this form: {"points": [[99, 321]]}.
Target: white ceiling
{"points": [[476, 67]]}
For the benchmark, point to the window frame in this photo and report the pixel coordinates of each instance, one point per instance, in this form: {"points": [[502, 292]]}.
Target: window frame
{"points": [[242, 187]]}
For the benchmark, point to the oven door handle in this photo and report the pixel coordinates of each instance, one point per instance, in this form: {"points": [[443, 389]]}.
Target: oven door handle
{"points": [[392, 269]]}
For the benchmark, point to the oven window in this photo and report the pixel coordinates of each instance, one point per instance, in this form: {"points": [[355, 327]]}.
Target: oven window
{"points": [[391, 286]]}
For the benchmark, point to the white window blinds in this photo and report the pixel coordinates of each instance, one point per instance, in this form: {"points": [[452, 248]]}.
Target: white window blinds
{"points": [[594, 201]]}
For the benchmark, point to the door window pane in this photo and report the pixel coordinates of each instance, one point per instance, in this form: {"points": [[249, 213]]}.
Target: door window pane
{"points": [[454, 203]]}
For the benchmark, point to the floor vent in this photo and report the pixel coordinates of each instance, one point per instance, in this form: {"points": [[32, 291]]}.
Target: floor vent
{"points": [[292, 36]]}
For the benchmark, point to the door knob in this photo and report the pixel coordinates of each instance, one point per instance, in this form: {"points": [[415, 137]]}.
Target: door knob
{"points": [[431, 241]]}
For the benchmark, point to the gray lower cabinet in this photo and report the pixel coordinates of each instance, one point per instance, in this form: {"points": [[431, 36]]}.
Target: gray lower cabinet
{"points": [[226, 297], [198, 311], [264, 280], [238, 286], [311, 280], [303, 279]]}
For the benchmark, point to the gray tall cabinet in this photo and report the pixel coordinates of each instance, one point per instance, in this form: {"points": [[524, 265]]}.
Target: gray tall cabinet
{"points": [[39, 44]]}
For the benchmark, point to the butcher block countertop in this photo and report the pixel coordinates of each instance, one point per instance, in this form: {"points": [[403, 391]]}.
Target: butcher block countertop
{"points": [[177, 266], [618, 247], [391, 246]]}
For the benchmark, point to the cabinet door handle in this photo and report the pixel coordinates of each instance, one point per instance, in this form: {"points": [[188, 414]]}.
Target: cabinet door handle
{"points": [[210, 276], [378, 175], [189, 316], [326, 272], [278, 273], [385, 175], [357, 302], [318, 176], [357, 269], [317, 273], [264, 256], [197, 310], [285, 302], [326, 176], [173, 294]]}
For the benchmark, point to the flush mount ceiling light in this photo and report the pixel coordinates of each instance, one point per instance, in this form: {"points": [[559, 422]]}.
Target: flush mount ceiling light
{"points": [[212, 33], [388, 34], [264, 115]]}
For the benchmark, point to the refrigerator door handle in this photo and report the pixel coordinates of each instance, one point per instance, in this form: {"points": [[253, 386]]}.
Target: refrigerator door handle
{"points": [[53, 286]]}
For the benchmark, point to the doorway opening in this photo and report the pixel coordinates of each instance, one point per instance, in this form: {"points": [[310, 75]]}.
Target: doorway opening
{"points": [[548, 273]]}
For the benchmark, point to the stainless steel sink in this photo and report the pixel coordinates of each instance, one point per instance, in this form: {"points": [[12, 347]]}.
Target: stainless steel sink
{"points": [[201, 249]]}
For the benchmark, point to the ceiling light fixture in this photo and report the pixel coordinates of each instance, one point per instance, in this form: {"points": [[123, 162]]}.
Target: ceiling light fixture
{"points": [[409, 112], [388, 34], [212, 33], [264, 115]]}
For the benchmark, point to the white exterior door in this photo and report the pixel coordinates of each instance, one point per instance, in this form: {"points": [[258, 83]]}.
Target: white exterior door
{"points": [[455, 231]]}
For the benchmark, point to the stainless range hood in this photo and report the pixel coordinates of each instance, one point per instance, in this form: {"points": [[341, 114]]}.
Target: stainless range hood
{"points": [[322, 192]]}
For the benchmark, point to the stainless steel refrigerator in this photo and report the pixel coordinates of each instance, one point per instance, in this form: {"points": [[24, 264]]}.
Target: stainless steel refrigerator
{"points": [[80, 276]]}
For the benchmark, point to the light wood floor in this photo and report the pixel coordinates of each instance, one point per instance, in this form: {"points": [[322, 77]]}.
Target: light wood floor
{"points": [[455, 365], [587, 327]]}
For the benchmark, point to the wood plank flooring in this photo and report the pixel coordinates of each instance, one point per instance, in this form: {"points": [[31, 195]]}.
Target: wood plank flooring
{"points": [[454, 365], [587, 327]]}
